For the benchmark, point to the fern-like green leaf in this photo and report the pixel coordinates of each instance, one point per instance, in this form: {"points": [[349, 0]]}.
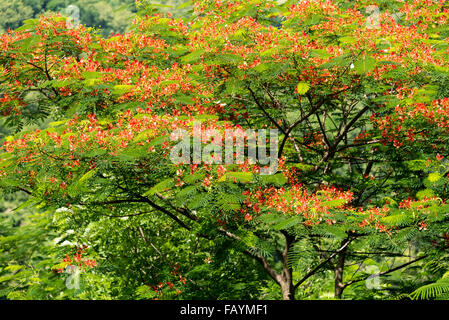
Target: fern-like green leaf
{"points": [[432, 290]]}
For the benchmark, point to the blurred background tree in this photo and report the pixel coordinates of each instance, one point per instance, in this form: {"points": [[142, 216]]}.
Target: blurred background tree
{"points": [[112, 16], [12, 14]]}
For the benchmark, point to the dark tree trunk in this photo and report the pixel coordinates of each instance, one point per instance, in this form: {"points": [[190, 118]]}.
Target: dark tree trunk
{"points": [[283, 279], [288, 290], [286, 278], [338, 271]]}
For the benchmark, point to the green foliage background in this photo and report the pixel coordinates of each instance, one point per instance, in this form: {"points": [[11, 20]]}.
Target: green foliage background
{"points": [[131, 250]]}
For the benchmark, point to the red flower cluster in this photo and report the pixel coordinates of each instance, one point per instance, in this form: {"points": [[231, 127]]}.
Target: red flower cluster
{"points": [[314, 207], [77, 259], [173, 285]]}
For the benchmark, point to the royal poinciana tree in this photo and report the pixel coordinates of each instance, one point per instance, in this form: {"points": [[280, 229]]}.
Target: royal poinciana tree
{"points": [[359, 97]]}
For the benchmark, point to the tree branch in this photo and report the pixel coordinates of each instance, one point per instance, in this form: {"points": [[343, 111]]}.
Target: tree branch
{"points": [[385, 272], [314, 270]]}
